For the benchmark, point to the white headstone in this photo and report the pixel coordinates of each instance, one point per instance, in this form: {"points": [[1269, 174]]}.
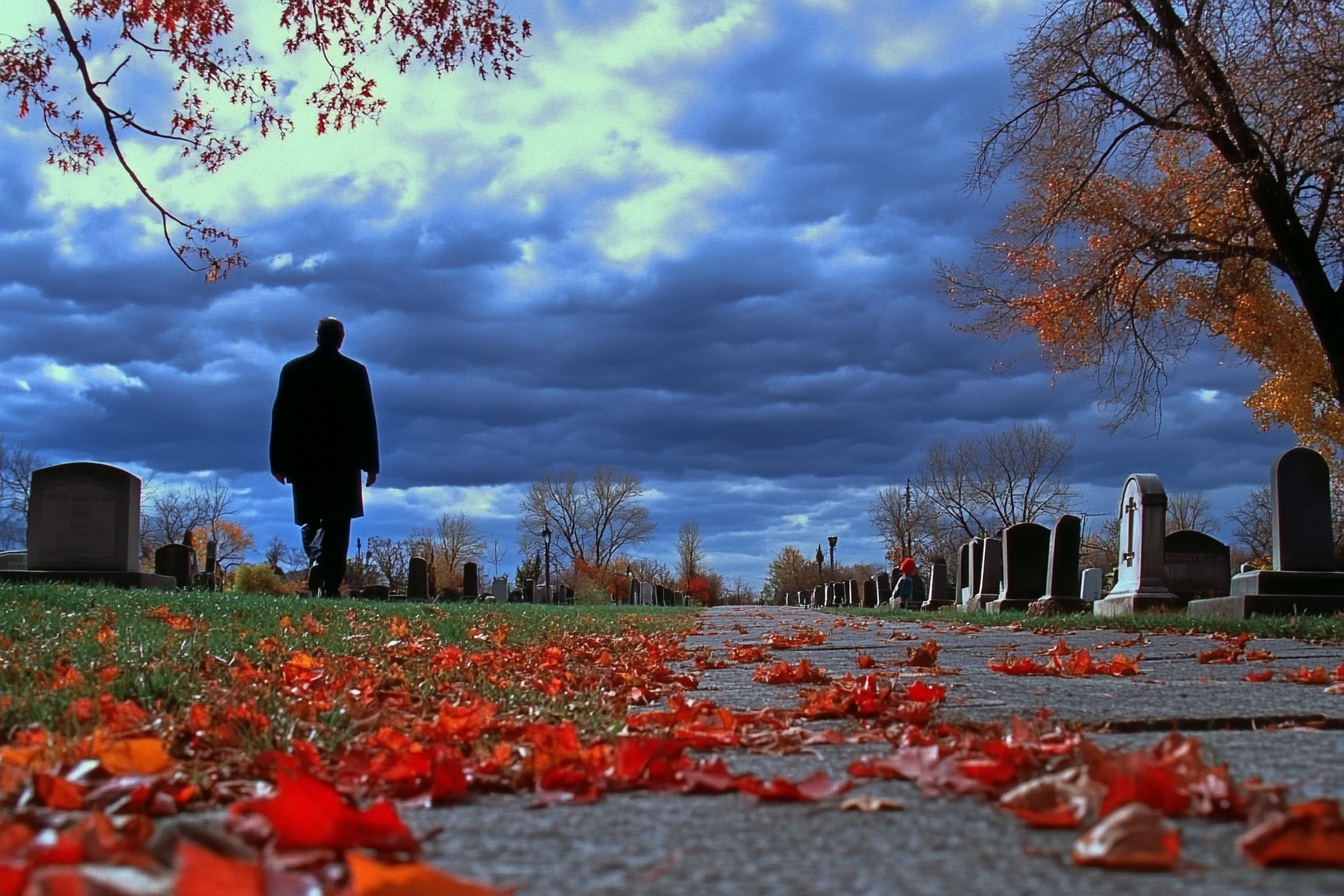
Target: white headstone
{"points": [[1140, 583], [1091, 589], [499, 588]]}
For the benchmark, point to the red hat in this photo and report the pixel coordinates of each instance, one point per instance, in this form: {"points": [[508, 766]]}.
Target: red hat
{"points": [[907, 567]]}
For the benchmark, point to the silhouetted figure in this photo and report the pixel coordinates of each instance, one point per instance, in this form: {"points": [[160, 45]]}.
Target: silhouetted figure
{"points": [[323, 433]]}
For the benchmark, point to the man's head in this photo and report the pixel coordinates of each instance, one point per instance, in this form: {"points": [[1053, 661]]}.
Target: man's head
{"points": [[330, 332]]}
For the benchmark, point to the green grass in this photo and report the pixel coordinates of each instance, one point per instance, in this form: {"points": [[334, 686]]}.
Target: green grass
{"points": [[1315, 629], [45, 628]]}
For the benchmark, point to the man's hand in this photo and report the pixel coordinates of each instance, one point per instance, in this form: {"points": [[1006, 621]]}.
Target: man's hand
{"points": [[373, 477], [279, 477]]}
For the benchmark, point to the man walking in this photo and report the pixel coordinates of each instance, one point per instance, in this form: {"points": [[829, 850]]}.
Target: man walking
{"points": [[323, 432]]}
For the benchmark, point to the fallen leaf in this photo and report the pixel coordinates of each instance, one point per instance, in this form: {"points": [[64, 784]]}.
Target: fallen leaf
{"points": [[1310, 833], [1058, 800], [1133, 838], [1266, 675], [369, 877], [869, 803]]}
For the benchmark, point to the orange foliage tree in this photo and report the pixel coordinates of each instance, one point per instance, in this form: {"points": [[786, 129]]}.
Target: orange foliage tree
{"points": [[189, 49], [1179, 166]]}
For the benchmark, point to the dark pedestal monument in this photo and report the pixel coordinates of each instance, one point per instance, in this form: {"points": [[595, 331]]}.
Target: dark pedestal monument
{"points": [[939, 596], [417, 579], [84, 526], [1303, 580], [1140, 586], [471, 580], [1026, 559], [986, 589], [1196, 566], [869, 593], [1061, 579]]}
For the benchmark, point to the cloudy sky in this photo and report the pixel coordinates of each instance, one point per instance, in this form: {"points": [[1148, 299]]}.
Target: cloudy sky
{"points": [[691, 240]]}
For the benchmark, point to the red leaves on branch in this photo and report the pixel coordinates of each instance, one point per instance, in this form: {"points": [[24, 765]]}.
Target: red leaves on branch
{"points": [[1310, 833], [782, 673]]}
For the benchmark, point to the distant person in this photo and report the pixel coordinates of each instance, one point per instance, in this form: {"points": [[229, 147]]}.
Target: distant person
{"points": [[323, 433], [909, 591]]}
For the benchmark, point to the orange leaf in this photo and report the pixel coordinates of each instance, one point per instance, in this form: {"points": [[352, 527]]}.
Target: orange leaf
{"points": [[132, 755], [58, 793], [1266, 675], [369, 877], [1309, 676]]}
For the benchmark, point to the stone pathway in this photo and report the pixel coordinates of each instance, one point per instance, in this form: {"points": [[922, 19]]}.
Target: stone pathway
{"points": [[649, 843]]}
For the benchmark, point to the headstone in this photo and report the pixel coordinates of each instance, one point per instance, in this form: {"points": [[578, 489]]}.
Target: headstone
{"points": [[13, 560], [939, 595], [971, 568], [1090, 589], [499, 589], [568, 594], [84, 526], [870, 592], [963, 574], [515, 596], [991, 574], [646, 593], [174, 560], [471, 580], [883, 587], [1026, 560], [851, 592], [634, 591], [377, 592], [1061, 580], [417, 579], [1303, 580], [1139, 585], [1196, 565], [819, 596]]}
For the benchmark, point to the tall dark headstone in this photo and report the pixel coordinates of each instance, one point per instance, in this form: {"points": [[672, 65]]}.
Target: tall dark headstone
{"points": [[1303, 580], [471, 580], [883, 587], [174, 560], [819, 596], [991, 574], [1061, 578], [939, 593], [529, 590], [417, 579], [1139, 585], [84, 526], [1026, 560], [869, 593]]}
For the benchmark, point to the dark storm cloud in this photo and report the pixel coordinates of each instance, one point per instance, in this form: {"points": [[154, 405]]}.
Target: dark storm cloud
{"points": [[765, 381]]}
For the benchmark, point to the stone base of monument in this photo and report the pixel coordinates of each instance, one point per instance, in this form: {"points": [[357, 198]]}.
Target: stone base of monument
{"points": [[145, 580], [1276, 592], [1129, 603], [1058, 606], [1005, 605], [980, 602], [932, 604]]}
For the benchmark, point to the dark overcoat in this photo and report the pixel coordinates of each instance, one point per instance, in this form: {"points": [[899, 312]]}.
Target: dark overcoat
{"points": [[323, 432]]}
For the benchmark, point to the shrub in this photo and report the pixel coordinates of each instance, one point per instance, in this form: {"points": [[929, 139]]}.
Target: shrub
{"points": [[259, 578]]}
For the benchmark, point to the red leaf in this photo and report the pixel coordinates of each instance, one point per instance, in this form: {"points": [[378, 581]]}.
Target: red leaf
{"points": [[369, 877], [1134, 838], [1310, 833], [1266, 675], [783, 673], [205, 873], [309, 814], [817, 786]]}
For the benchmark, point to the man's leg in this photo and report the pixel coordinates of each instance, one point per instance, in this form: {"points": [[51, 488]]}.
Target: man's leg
{"points": [[313, 536], [335, 547]]}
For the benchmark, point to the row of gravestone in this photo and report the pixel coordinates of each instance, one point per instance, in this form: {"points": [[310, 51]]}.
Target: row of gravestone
{"points": [[1029, 567], [652, 594]]}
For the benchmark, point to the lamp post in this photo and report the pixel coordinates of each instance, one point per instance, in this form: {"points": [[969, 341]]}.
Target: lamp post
{"points": [[546, 541], [821, 558], [629, 584], [832, 540]]}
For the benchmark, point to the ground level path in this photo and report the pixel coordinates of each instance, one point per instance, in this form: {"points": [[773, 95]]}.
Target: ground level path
{"points": [[655, 843]]}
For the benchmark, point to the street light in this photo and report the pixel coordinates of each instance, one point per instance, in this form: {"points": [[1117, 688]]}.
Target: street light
{"points": [[629, 584], [546, 540], [821, 558], [832, 540]]}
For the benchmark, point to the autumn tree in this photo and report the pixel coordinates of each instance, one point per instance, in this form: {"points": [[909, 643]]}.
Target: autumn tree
{"points": [[591, 520], [456, 540], [1179, 165], [690, 552], [907, 522], [983, 483], [167, 512], [1190, 510], [103, 75], [789, 571], [232, 542]]}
